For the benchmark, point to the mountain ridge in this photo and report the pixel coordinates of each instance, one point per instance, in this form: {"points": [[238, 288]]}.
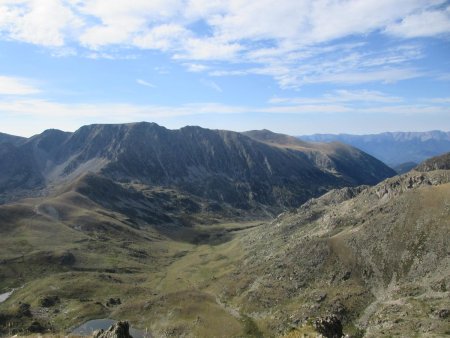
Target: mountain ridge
{"points": [[220, 165]]}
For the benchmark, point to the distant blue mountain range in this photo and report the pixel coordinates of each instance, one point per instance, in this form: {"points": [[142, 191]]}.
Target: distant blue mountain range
{"points": [[399, 150]]}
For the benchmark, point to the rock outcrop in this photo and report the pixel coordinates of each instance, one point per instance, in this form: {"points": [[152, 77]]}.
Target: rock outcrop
{"points": [[436, 163], [117, 330]]}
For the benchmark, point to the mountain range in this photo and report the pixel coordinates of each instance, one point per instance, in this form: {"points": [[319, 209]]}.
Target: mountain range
{"points": [[211, 233], [400, 150], [238, 169]]}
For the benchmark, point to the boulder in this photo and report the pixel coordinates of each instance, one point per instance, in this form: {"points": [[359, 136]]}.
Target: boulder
{"points": [[113, 302], [117, 330], [443, 313]]}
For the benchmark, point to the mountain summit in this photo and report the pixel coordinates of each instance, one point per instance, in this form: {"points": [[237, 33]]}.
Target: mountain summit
{"points": [[244, 170]]}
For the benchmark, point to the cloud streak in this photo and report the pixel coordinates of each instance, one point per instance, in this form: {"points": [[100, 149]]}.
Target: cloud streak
{"points": [[145, 83], [16, 86], [336, 102], [213, 85], [340, 95]]}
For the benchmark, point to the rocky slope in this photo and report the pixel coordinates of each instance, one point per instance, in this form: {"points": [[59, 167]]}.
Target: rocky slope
{"points": [[436, 163], [376, 257], [221, 166], [393, 148]]}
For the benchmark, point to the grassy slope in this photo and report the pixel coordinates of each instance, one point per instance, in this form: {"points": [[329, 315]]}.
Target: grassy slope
{"points": [[168, 286], [229, 280]]}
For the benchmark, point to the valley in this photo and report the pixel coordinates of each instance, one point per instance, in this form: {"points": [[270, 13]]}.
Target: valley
{"points": [[175, 261], [175, 283]]}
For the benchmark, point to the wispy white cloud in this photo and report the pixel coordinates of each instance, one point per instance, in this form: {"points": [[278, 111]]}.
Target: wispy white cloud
{"points": [[231, 72], [387, 75], [195, 67], [208, 49], [440, 100], [410, 109], [339, 64], [369, 96], [213, 85], [339, 96], [145, 83], [39, 108], [443, 77], [294, 41], [16, 86], [33, 108]]}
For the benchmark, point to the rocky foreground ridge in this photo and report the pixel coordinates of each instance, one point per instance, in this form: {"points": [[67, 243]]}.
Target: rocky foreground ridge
{"points": [[376, 257]]}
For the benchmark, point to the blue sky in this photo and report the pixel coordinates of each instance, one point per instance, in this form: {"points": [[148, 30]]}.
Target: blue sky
{"points": [[292, 66]]}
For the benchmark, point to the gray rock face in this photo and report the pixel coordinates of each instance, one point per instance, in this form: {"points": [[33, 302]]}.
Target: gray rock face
{"points": [[117, 330]]}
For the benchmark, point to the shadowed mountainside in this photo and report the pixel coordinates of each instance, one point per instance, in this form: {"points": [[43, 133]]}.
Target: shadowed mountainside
{"points": [[16, 140], [222, 166]]}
